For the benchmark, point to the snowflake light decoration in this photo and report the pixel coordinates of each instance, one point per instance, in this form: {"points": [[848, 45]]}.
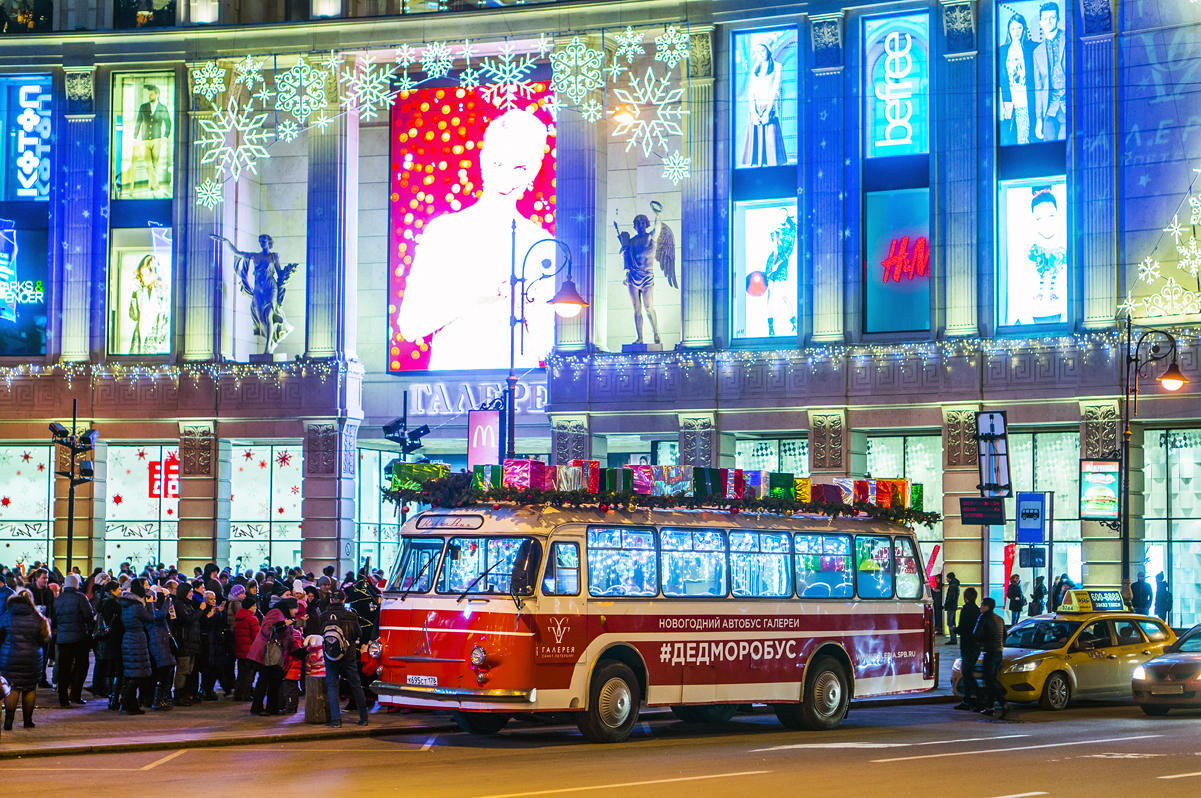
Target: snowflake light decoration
{"points": [[208, 193], [1190, 257], [208, 80], [437, 59], [592, 111], [615, 70], [576, 70], [234, 138], [545, 45], [406, 56], [248, 72], [1148, 270], [264, 95], [650, 111], [505, 77], [332, 63], [1175, 229], [1172, 300], [287, 130], [469, 78], [671, 47], [301, 91], [404, 83], [629, 44], [676, 167], [369, 85]]}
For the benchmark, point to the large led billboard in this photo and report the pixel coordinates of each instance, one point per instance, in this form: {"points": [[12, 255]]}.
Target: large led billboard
{"points": [[765, 97], [22, 290], [764, 285], [139, 285], [1032, 65], [896, 73], [143, 135], [1032, 273], [27, 116], [896, 272], [472, 195]]}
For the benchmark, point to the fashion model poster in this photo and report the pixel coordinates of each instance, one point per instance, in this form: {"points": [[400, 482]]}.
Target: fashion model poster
{"points": [[764, 286], [1033, 259], [765, 97], [143, 135], [1031, 71], [140, 291]]}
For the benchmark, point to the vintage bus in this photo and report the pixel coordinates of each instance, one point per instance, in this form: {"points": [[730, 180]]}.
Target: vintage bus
{"points": [[515, 610]]}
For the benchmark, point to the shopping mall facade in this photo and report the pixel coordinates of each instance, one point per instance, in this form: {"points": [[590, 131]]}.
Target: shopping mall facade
{"points": [[869, 223]]}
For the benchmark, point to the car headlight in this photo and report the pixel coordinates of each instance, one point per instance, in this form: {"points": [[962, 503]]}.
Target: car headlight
{"points": [[478, 655], [1023, 667], [1140, 673], [374, 649]]}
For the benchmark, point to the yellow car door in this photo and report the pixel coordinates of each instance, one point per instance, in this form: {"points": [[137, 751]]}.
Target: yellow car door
{"points": [[1133, 649], [1089, 658]]}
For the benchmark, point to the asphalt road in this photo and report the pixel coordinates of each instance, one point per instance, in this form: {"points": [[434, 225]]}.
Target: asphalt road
{"points": [[1102, 750]]}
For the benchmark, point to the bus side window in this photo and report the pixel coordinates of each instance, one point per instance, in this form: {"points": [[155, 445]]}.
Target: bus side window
{"points": [[693, 562], [909, 571], [873, 566], [823, 566], [759, 566], [562, 576], [622, 562]]}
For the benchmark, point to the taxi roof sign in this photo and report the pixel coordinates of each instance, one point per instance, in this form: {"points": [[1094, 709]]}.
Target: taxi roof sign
{"points": [[1093, 601]]}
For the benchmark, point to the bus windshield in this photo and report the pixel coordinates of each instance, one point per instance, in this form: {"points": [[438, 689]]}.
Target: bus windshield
{"points": [[418, 564], [490, 565]]}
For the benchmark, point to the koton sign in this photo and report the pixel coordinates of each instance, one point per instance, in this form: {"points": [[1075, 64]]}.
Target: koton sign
{"points": [[27, 110], [897, 75]]}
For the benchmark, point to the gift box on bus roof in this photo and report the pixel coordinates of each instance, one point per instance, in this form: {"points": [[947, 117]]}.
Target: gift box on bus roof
{"points": [[826, 494], [673, 480], [642, 479], [803, 489], [617, 480], [592, 472], [411, 476], [487, 477], [569, 478], [917, 496], [846, 489], [755, 484], [781, 486], [528, 475]]}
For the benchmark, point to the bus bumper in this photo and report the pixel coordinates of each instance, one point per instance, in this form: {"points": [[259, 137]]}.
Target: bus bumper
{"points": [[454, 694]]}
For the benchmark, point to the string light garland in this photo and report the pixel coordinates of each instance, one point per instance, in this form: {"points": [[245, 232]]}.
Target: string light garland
{"points": [[195, 371], [458, 490]]}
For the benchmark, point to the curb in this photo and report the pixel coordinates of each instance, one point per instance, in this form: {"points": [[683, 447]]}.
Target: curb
{"points": [[220, 742]]}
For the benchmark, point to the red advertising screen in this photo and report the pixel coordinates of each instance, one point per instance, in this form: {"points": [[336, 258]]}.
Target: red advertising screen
{"points": [[464, 172]]}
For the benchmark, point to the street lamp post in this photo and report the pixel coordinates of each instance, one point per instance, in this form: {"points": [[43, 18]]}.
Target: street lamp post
{"points": [[1136, 364], [567, 304], [78, 472]]}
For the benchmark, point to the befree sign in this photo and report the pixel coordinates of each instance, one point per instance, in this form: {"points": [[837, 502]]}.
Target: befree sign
{"points": [[897, 80]]}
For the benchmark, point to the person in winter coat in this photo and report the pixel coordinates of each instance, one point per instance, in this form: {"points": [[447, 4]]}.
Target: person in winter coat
{"points": [[136, 620], [363, 599], [989, 635], [1140, 595], [1163, 597], [290, 691], [161, 657], [73, 622], [214, 631], [936, 600], [969, 652], [271, 650], [246, 629], [950, 605], [186, 628], [233, 602], [43, 601], [1038, 596], [24, 633], [108, 643], [1016, 598], [342, 639]]}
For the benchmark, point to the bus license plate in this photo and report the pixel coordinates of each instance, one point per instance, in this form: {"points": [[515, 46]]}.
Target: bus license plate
{"points": [[1174, 689], [422, 681]]}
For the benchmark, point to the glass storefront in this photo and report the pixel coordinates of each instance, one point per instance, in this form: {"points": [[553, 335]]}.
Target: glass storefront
{"points": [[26, 504], [141, 506], [377, 524], [917, 458], [784, 455], [1173, 518], [264, 506]]}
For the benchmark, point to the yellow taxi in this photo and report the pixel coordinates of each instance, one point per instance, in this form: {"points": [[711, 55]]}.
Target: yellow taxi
{"points": [[1088, 649]]}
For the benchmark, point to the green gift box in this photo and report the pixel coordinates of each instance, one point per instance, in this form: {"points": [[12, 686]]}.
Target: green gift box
{"points": [[411, 476], [618, 480], [917, 497], [486, 477], [781, 486], [707, 482]]}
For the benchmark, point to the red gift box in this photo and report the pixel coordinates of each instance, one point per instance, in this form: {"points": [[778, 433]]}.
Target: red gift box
{"points": [[862, 490], [883, 493], [644, 479], [591, 474], [826, 494], [528, 475], [735, 482]]}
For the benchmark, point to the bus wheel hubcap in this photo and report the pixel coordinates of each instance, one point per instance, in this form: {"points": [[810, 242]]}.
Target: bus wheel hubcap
{"points": [[827, 693], [614, 704]]}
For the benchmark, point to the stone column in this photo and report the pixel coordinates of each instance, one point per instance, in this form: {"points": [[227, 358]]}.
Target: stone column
{"points": [[201, 256], [78, 145], [328, 494], [1101, 542], [331, 254], [697, 255], [826, 179], [570, 438], [834, 449], [582, 181], [702, 445], [960, 162], [964, 548], [204, 473], [89, 518], [1095, 124]]}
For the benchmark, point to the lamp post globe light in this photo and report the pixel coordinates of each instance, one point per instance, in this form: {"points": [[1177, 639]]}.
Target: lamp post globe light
{"points": [[566, 303], [1153, 346]]}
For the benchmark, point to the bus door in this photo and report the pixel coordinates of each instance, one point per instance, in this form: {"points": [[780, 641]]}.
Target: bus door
{"points": [[560, 636]]}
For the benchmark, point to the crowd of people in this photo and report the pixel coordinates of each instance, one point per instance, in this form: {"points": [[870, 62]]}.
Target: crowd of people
{"points": [[160, 638]]}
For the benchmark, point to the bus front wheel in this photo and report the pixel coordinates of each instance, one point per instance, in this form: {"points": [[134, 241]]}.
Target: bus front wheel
{"points": [[826, 701], [613, 702], [481, 722]]}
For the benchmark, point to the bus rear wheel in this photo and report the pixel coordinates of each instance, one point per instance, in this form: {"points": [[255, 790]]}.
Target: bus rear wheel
{"points": [[714, 713], [826, 701], [613, 702], [481, 722]]}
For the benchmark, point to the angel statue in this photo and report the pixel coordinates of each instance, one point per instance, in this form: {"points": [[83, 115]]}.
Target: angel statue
{"points": [[639, 252], [266, 291]]}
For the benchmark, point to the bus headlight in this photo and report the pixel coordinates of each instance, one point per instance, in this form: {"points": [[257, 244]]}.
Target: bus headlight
{"points": [[478, 655], [374, 649]]}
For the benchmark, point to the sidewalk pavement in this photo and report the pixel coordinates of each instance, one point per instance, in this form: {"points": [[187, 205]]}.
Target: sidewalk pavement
{"points": [[93, 729]]}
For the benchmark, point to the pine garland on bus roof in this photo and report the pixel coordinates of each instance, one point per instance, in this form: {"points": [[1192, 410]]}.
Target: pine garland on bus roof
{"points": [[458, 490]]}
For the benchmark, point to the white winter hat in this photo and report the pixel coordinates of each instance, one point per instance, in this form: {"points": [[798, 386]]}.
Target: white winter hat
{"points": [[72, 580]]}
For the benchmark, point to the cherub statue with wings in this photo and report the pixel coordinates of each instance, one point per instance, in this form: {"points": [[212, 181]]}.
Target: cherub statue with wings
{"points": [[262, 278], [639, 252]]}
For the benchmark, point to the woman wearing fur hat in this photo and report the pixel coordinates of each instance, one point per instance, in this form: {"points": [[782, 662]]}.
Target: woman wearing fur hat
{"points": [[24, 633], [136, 619]]}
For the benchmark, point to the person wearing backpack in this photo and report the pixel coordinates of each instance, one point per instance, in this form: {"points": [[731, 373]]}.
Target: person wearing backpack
{"points": [[341, 637], [272, 650]]}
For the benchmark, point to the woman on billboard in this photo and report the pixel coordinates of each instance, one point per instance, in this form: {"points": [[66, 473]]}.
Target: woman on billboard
{"points": [[1019, 117], [764, 143]]}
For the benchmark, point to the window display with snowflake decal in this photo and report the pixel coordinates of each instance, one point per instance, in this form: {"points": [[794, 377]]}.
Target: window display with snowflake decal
{"points": [[26, 504], [264, 505], [141, 506]]}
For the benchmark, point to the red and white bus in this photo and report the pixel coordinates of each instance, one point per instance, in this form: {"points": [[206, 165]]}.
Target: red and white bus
{"points": [[492, 613]]}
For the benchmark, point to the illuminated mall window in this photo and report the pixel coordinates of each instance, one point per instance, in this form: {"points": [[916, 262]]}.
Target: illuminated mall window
{"points": [[141, 505], [143, 13], [784, 455], [1172, 535], [377, 525], [917, 458], [264, 505], [139, 291], [26, 504], [26, 16]]}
